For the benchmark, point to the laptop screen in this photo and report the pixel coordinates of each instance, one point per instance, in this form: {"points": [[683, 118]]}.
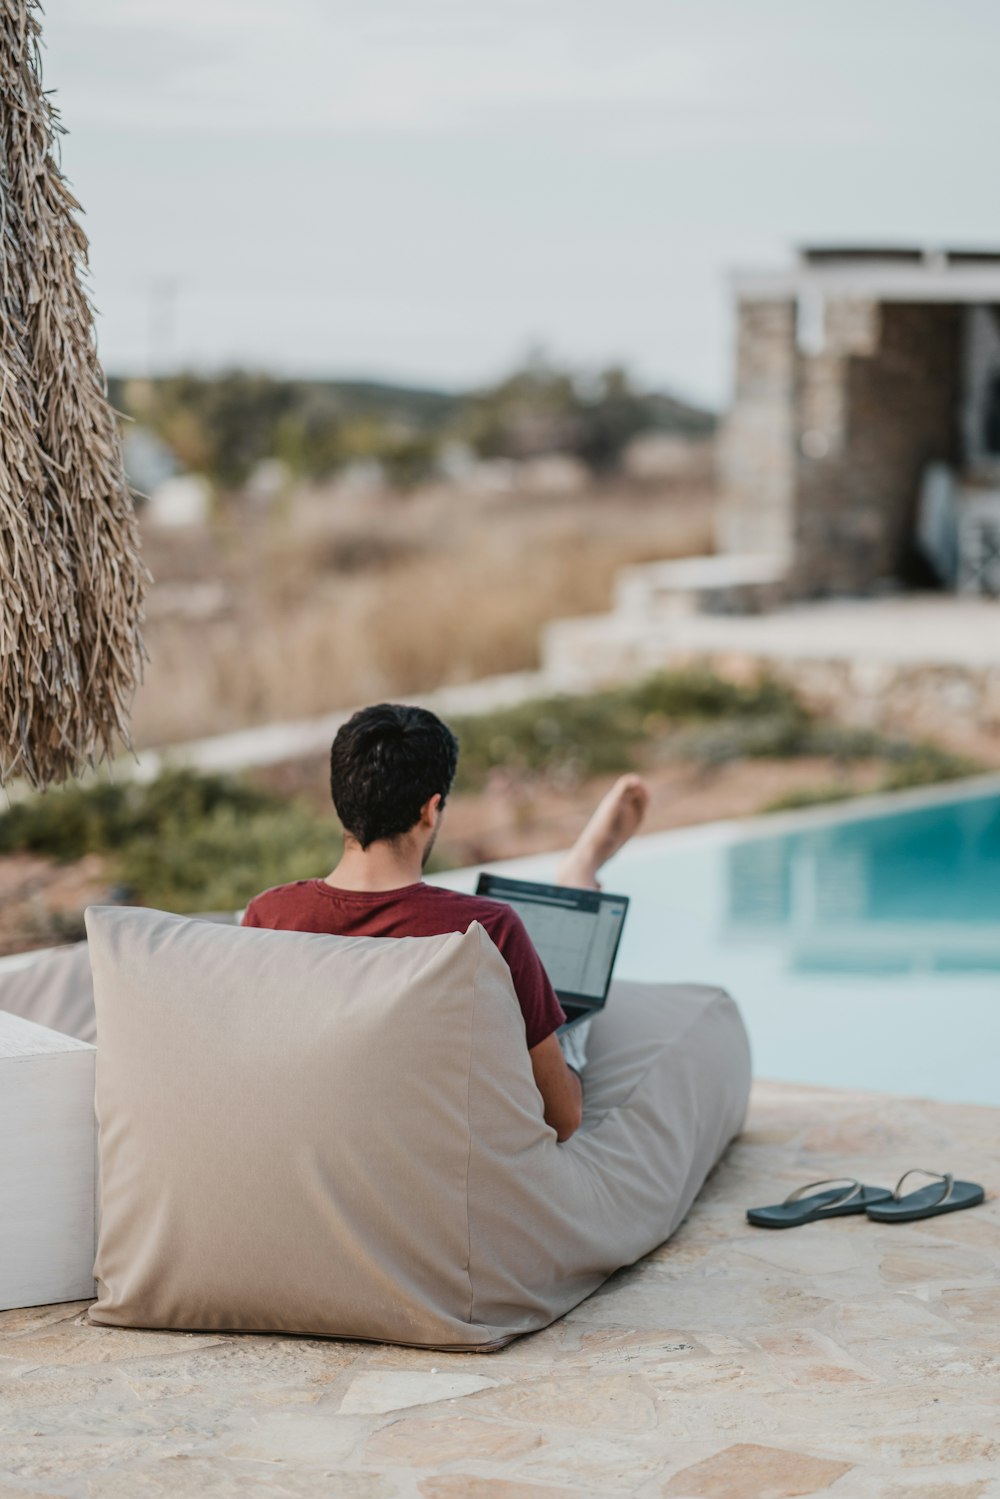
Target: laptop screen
{"points": [[575, 932]]}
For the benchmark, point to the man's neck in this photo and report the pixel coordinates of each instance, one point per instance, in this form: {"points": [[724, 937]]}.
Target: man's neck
{"points": [[380, 866]]}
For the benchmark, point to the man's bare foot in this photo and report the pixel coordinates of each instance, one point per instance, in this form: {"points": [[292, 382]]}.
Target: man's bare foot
{"points": [[615, 819]]}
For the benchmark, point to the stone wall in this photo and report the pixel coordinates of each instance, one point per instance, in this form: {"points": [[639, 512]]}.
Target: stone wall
{"points": [[951, 703], [757, 445], [822, 454], [879, 403]]}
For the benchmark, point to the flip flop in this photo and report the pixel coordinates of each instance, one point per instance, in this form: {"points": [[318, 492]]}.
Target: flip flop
{"points": [[846, 1196], [944, 1195]]}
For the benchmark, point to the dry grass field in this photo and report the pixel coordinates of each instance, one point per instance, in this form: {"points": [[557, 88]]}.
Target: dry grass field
{"points": [[334, 601], [330, 601]]}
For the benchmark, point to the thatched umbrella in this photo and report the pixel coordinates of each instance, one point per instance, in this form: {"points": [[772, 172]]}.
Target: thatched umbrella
{"points": [[71, 581]]}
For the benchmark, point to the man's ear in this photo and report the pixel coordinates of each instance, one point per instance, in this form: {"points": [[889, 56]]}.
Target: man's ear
{"points": [[431, 810]]}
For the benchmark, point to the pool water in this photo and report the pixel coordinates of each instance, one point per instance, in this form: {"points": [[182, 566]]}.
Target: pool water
{"points": [[862, 942]]}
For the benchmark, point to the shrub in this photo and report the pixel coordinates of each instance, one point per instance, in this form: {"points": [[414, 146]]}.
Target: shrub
{"points": [[809, 796], [67, 822], [575, 737], [221, 860], [697, 694], [924, 765], [774, 736], [185, 841], [910, 765], [571, 737]]}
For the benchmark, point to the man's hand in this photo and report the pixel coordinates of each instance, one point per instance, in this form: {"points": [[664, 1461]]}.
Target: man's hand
{"points": [[560, 1087]]}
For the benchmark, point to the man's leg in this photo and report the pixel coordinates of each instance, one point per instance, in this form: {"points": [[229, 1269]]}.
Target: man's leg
{"points": [[614, 821], [667, 1085], [667, 1066]]}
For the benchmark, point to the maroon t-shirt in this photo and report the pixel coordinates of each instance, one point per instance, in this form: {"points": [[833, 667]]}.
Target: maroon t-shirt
{"points": [[416, 911]]}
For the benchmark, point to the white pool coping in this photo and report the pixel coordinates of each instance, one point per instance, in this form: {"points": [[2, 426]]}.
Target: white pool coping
{"points": [[863, 808]]}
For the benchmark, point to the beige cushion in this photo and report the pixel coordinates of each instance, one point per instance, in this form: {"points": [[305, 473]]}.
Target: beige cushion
{"points": [[342, 1136], [54, 989]]}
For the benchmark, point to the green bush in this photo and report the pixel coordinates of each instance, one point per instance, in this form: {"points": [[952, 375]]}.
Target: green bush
{"points": [[575, 737], [775, 736], [571, 737], [186, 842], [911, 765], [925, 765], [223, 859], [66, 823], [689, 714], [104, 815], [693, 694], [846, 744], [810, 796]]}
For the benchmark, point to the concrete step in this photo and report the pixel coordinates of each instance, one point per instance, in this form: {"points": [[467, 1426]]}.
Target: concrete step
{"points": [[746, 583]]}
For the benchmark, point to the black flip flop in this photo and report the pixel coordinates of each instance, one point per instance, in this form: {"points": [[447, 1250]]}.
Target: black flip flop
{"points": [[846, 1196], [944, 1195]]}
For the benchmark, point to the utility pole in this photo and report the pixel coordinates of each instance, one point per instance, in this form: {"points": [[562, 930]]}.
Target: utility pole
{"points": [[162, 328]]}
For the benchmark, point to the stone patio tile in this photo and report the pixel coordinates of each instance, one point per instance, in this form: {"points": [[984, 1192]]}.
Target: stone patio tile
{"points": [[415, 1443], [40, 1388], [616, 1402], [961, 1439], [977, 1304], [375, 1393], [603, 1464], [81, 1342], [870, 1350], [184, 1477], [257, 1371], [630, 1349], [31, 1318], [977, 1488], [878, 1318], [804, 1252], [746, 1373], [917, 1263], [541, 1349], [749, 1471], [808, 1358], [966, 1228], [469, 1486], [7, 1492], [304, 1438]]}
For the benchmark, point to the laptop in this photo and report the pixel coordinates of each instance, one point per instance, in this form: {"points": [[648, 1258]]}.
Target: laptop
{"points": [[575, 933]]}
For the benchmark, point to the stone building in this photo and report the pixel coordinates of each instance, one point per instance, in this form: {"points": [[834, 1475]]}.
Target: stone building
{"points": [[863, 445]]}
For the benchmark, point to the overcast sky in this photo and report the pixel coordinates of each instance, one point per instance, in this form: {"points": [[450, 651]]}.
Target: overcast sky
{"points": [[423, 189]]}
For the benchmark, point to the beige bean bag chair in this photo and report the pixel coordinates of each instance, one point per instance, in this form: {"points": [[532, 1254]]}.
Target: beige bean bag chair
{"points": [[342, 1136]]}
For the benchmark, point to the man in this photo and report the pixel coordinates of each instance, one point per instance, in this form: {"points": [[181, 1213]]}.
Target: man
{"points": [[391, 769]]}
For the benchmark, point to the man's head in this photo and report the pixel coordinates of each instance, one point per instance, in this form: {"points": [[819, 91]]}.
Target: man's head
{"points": [[391, 768]]}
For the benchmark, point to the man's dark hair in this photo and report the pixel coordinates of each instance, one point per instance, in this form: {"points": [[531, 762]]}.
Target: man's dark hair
{"points": [[385, 763]]}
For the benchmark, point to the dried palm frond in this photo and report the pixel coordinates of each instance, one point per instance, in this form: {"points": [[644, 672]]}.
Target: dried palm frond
{"points": [[71, 580]]}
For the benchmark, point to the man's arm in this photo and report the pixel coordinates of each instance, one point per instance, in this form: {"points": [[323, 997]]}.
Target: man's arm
{"points": [[560, 1087]]}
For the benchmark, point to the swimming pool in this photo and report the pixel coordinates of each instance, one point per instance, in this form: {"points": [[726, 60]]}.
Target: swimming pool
{"points": [[862, 941]]}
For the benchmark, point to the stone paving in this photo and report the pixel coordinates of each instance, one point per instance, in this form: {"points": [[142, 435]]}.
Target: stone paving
{"points": [[846, 1358]]}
